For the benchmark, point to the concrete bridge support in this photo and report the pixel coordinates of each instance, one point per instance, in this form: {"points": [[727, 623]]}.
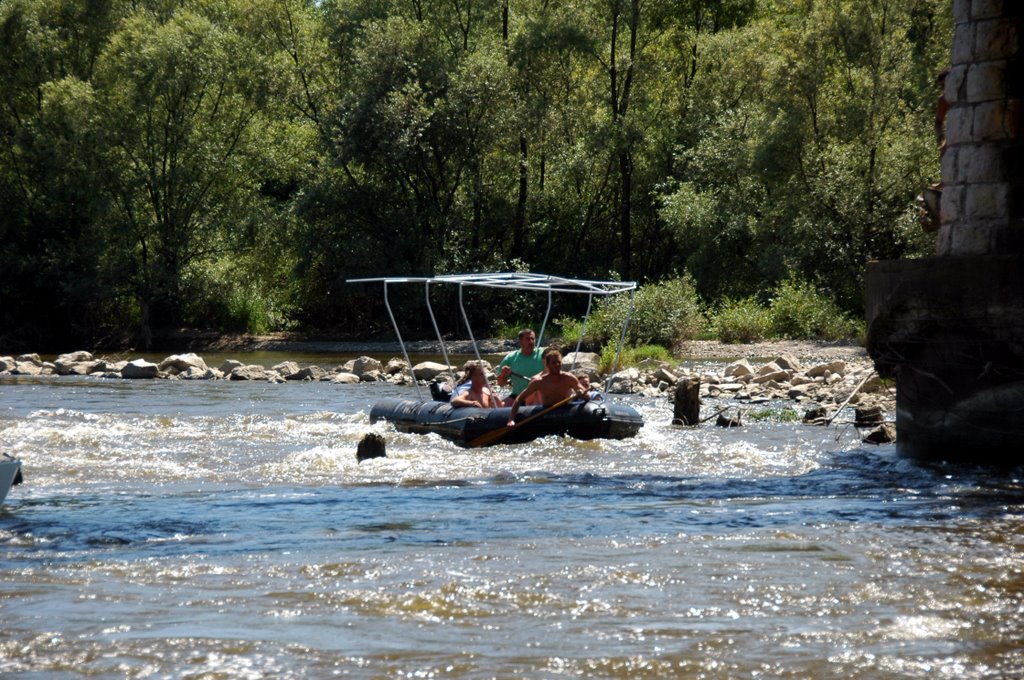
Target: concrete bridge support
{"points": [[950, 328]]}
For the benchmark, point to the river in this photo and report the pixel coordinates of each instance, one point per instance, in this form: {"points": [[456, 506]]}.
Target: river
{"points": [[175, 529]]}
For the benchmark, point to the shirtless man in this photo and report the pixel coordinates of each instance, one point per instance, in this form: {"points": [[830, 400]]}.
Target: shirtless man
{"points": [[552, 385]]}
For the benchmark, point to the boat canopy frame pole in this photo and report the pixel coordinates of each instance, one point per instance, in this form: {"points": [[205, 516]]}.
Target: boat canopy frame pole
{"points": [[544, 324], [433, 320], [465, 318], [405, 352], [622, 341], [583, 331]]}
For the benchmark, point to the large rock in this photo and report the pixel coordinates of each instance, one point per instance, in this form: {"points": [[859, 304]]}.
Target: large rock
{"points": [[364, 365], [229, 365], [178, 363], [254, 372], [345, 378], [286, 369], [309, 373], [739, 369], [396, 365], [140, 369], [428, 370], [7, 364], [625, 382], [73, 363]]}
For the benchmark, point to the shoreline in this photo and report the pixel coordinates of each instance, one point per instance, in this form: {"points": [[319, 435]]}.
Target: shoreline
{"points": [[692, 349]]}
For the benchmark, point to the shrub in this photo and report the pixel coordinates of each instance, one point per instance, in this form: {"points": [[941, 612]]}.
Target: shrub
{"points": [[631, 356], [664, 313], [800, 312], [742, 321]]}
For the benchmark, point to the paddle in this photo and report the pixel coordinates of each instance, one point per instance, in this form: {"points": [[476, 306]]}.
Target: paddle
{"points": [[495, 435]]}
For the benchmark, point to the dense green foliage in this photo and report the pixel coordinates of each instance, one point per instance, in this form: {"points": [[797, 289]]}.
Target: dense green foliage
{"points": [[227, 164]]}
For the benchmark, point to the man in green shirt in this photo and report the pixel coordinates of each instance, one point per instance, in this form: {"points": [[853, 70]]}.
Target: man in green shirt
{"points": [[521, 365]]}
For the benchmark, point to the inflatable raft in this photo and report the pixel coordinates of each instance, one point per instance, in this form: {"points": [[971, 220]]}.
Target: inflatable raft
{"points": [[579, 419]]}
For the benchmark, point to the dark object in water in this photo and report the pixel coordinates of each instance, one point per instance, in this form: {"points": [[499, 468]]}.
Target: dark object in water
{"points": [[579, 419], [728, 421], [371, 446], [869, 416], [686, 402]]}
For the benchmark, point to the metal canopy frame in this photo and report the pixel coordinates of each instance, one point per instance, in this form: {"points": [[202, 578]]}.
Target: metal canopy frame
{"points": [[526, 281]]}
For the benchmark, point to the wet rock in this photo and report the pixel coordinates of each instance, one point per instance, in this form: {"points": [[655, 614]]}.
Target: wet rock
{"points": [[179, 363], [286, 369], [428, 370], [140, 369], [883, 434], [371, 446], [868, 416], [728, 421]]}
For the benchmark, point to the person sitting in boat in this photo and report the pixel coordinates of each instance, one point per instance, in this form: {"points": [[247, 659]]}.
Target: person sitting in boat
{"points": [[520, 365], [593, 394], [478, 394], [553, 385]]}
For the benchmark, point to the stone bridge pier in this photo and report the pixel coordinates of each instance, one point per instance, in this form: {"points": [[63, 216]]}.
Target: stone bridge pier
{"points": [[950, 328]]}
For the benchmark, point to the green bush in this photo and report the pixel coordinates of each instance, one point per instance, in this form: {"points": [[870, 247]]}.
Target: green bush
{"points": [[800, 312], [742, 321], [664, 313]]}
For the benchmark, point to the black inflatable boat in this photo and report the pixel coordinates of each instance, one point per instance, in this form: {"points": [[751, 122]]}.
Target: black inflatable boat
{"points": [[579, 419]]}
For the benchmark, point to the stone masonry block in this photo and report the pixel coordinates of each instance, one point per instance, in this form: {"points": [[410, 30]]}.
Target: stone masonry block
{"points": [[963, 44], [991, 122], [961, 11], [986, 9], [995, 39], [956, 81], [949, 165], [944, 239], [973, 239], [981, 163], [986, 81], [951, 205], [986, 201], [958, 124]]}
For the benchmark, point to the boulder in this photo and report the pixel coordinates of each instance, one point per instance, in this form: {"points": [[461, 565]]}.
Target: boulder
{"points": [[313, 372], [837, 367], [72, 363], [196, 373], [428, 370], [229, 365], [788, 362], [883, 434], [7, 364], [345, 378], [30, 358], [396, 365], [738, 369], [28, 368], [178, 363], [363, 365], [286, 369], [582, 361], [371, 446], [624, 382], [254, 372], [140, 369]]}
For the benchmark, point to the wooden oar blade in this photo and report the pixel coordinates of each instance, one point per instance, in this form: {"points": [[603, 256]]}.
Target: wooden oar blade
{"points": [[494, 435], [488, 438]]}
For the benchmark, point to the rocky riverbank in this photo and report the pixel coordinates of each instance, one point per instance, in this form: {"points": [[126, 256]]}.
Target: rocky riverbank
{"points": [[820, 378]]}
